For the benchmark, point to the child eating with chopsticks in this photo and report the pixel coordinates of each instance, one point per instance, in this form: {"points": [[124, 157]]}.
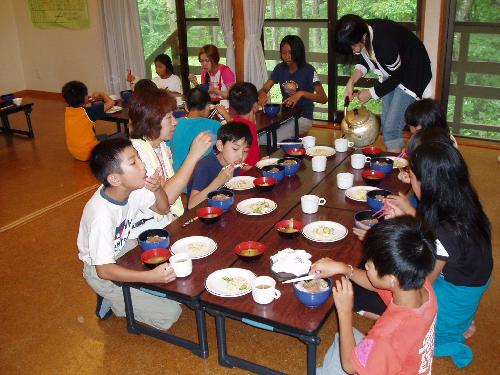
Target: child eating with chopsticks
{"points": [[217, 168], [399, 256]]}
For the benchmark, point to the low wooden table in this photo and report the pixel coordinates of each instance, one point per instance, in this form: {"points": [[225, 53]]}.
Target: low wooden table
{"points": [[5, 112]]}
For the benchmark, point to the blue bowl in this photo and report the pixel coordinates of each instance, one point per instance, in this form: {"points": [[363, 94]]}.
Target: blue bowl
{"points": [[386, 166], [290, 169], [272, 110], [376, 204], [278, 176], [204, 86], [294, 143], [224, 204], [179, 114], [8, 98], [360, 216], [145, 245], [126, 95], [313, 300]]}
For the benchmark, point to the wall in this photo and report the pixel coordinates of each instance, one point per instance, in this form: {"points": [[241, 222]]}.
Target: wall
{"points": [[56, 55], [432, 19], [11, 67]]}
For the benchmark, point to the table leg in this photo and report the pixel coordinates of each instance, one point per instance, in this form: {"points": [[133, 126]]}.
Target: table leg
{"points": [[27, 113], [312, 343], [129, 311], [269, 143], [296, 123], [202, 333], [220, 327], [6, 124], [275, 139]]}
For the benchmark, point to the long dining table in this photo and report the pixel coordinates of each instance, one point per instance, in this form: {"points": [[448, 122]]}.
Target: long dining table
{"points": [[285, 315]]}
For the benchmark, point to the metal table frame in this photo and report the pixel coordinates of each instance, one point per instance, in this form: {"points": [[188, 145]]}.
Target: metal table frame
{"points": [[4, 115], [199, 348]]}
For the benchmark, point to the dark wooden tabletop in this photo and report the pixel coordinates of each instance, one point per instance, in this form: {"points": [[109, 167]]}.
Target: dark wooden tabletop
{"points": [[234, 227], [336, 198], [13, 108], [287, 310]]}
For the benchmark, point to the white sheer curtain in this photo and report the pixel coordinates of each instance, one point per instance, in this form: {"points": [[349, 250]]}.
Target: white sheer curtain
{"points": [[122, 43], [255, 64], [225, 10]]}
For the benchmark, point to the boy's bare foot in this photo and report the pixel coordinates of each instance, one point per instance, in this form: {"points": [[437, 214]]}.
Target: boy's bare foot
{"points": [[471, 331]]}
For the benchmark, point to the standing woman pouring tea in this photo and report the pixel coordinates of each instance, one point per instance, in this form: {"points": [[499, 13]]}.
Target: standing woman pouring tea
{"points": [[298, 80], [219, 76], [397, 57]]}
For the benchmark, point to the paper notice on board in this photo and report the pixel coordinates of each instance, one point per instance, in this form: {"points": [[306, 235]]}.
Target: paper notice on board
{"points": [[72, 14]]}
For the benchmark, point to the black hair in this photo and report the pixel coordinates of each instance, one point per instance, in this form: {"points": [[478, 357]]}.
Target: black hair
{"points": [[447, 195], [242, 96], [165, 60], [402, 247], [197, 98], [75, 92], [234, 131], [349, 30], [426, 113], [297, 47], [144, 84], [105, 158], [426, 136]]}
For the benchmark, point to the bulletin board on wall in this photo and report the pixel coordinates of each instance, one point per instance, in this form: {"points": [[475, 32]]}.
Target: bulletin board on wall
{"points": [[71, 14]]}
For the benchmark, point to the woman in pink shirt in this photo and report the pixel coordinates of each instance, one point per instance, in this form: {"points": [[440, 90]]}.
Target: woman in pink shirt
{"points": [[219, 77]]}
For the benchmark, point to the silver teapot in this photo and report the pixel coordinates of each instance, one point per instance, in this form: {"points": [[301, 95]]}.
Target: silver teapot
{"points": [[360, 126]]}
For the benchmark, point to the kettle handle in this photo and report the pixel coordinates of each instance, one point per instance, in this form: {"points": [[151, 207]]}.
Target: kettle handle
{"points": [[346, 107]]}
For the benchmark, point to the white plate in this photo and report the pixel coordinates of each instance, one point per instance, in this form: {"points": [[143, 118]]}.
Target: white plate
{"points": [[256, 206], [240, 183], [316, 231], [320, 151], [196, 246], [398, 162], [114, 97], [265, 162], [358, 193], [115, 108], [230, 282]]}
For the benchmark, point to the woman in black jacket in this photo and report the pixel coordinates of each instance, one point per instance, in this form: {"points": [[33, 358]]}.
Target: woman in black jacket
{"points": [[397, 57]]}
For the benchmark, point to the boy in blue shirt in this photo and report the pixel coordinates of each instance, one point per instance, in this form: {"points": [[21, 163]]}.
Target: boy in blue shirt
{"points": [[104, 231], [215, 169], [198, 104]]}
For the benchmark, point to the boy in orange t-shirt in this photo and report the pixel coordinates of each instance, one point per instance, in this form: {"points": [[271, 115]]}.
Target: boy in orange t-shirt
{"points": [[399, 255], [79, 118]]}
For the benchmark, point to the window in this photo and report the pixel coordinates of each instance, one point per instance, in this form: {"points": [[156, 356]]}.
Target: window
{"points": [[471, 85], [309, 20], [159, 32]]}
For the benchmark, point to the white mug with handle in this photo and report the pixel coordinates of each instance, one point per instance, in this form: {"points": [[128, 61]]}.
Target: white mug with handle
{"points": [[341, 144], [310, 203]]}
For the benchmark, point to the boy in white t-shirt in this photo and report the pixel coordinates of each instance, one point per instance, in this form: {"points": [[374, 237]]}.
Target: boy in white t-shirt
{"points": [[104, 229]]}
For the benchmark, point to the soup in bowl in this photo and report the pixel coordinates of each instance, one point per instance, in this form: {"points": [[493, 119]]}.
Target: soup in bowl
{"points": [[372, 177], [289, 228], [154, 257], [264, 183], [209, 215], [375, 198], [250, 251]]}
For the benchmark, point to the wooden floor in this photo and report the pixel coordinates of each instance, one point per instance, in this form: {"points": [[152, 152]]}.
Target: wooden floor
{"points": [[47, 321]]}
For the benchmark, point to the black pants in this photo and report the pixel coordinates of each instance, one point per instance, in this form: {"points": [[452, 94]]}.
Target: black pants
{"points": [[367, 300]]}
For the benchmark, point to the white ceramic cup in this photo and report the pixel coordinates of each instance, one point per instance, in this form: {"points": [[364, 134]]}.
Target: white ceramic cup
{"points": [[345, 180], [309, 141], [17, 101], [182, 264], [358, 161], [341, 144], [264, 290], [319, 163], [310, 203]]}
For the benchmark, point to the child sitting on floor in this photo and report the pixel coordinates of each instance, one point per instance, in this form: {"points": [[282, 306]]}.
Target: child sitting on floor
{"points": [[243, 98], [215, 169], [399, 255], [80, 117], [198, 104], [104, 230]]}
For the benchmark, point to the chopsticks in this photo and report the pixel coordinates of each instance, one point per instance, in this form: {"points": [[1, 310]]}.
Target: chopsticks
{"points": [[303, 278], [192, 220]]}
